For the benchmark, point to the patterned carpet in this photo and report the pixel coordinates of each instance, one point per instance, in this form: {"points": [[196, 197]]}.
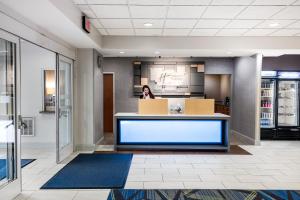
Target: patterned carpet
{"points": [[119, 194]]}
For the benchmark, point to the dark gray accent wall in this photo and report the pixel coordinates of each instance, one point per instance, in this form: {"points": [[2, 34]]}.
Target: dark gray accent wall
{"points": [[244, 98], [123, 71], [285, 62]]}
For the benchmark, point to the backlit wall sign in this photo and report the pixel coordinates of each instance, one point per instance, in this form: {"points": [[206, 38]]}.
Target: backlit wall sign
{"points": [[86, 24], [268, 73], [289, 75]]}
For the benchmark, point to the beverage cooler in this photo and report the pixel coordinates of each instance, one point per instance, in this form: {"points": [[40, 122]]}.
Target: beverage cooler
{"points": [[280, 105]]}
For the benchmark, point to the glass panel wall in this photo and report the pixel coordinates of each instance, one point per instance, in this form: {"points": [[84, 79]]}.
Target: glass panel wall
{"points": [[8, 160]]}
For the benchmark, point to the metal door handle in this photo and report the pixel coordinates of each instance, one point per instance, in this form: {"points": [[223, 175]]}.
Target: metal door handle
{"points": [[23, 125], [8, 125]]}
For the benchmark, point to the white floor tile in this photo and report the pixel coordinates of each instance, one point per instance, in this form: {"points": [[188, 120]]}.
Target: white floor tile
{"points": [[163, 185], [92, 195], [272, 165]]}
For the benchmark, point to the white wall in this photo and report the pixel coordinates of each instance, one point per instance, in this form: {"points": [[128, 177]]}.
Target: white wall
{"points": [[33, 60], [89, 104]]}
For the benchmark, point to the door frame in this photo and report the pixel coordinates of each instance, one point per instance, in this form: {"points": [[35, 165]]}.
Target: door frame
{"points": [[114, 95], [69, 149], [12, 189]]}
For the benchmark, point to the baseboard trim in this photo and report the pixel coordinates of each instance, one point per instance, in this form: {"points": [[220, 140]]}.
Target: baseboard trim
{"points": [[38, 145], [85, 147], [100, 140], [245, 139]]}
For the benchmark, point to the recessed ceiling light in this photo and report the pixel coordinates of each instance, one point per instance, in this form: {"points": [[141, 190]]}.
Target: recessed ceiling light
{"points": [[157, 52], [148, 24], [274, 24], [229, 52], [122, 52]]}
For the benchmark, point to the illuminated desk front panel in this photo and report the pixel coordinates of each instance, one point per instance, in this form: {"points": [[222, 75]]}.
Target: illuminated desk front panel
{"points": [[134, 131]]}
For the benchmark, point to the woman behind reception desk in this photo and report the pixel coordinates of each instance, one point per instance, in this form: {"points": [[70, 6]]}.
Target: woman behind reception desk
{"points": [[147, 94]]}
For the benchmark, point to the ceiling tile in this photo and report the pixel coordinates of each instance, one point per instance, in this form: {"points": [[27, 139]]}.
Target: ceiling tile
{"points": [[110, 11], [108, 2], [148, 11], [294, 25], [291, 12], [259, 12], [286, 32], [243, 23], [297, 2], [281, 24], [190, 2], [149, 2], [185, 11], [174, 23], [231, 2], [212, 23], [259, 32], [222, 12], [120, 31], [116, 23], [148, 32], [102, 31], [96, 23], [204, 32], [231, 32], [79, 1], [87, 11], [176, 32], [156, 23], [272, 2]]}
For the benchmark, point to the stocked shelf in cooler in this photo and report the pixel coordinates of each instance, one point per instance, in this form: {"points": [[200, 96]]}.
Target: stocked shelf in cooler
{"points": [[267, 103]]}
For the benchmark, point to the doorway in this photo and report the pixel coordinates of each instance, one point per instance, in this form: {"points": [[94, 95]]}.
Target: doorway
{"points": [[218, 87], [108, 107], [38, 141], [64, 108], [46, 109]]}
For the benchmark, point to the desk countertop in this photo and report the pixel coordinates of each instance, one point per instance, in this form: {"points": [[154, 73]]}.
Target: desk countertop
{"points": [[172, 116]]}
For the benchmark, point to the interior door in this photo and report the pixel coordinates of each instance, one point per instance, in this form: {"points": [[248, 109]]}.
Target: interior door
{"points": [[108, 106], [64, 108], [10, 182]]}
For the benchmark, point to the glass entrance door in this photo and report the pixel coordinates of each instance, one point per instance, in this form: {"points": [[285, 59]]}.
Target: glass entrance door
{"points": [[10, 184], [64, 108]]}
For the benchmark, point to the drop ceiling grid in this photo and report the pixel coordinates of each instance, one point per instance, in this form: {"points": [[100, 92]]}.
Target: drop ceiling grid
{"points": [[283, 11], [165, 19]]}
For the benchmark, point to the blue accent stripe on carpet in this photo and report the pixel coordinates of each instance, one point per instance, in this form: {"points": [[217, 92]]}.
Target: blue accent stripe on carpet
{"points": [[200, 194], [24, 162], [92, 171]]}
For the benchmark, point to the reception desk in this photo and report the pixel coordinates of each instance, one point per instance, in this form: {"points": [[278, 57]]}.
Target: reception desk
{"points": [[172, 131]]}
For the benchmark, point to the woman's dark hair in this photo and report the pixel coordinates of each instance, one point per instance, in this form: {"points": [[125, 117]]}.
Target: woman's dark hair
{"points": [[150, 93]]}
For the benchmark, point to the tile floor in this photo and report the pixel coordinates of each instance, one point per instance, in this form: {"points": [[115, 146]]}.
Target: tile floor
{"points": [[273, 165]]}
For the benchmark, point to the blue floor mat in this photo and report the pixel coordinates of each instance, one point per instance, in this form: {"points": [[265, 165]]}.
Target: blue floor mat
{"points": [[24, 162], [92, 171]]}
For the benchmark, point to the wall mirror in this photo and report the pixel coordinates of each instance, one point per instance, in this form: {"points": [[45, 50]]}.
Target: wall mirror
{"points": [[49, 91]]}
